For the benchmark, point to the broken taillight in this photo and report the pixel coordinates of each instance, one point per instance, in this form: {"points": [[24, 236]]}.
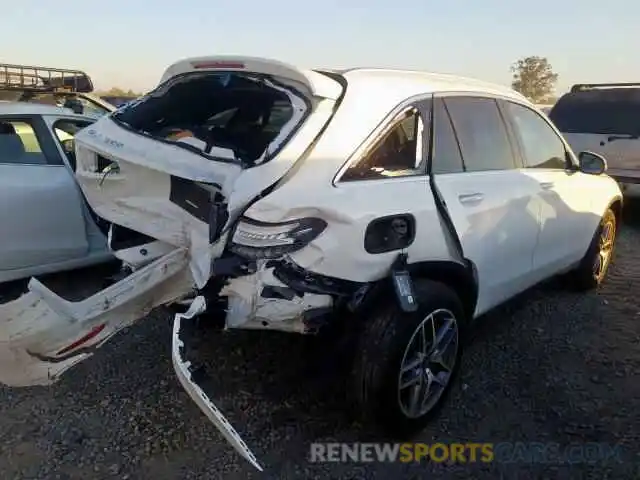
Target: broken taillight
{"points": [[94, 332], [254, 239]]}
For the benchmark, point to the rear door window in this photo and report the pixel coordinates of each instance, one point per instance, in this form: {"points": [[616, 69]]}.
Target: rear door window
{"points": [[446, 157], [482, 133], [608, 111]]}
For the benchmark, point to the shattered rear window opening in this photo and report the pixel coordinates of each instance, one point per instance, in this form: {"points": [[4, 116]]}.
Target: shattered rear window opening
{"points": [[233, 117]]}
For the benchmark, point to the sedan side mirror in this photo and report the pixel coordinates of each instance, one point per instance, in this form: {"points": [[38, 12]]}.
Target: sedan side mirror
{"points": [[592, 163]]}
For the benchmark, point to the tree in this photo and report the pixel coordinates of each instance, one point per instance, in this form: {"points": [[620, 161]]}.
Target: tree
{"points": [[534, 78], [119, 92]]}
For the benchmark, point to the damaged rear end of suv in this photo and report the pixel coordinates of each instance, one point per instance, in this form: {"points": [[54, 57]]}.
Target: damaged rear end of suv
{"points": [[173, 173], [242, 186]]}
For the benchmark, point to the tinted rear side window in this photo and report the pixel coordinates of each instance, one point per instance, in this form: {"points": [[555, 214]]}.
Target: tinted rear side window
{"points": [[446, 151], [608, 111], [481, 132]]}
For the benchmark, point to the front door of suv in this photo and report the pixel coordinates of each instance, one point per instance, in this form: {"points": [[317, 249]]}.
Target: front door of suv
{"points": [[491, 203], [567, 223]]}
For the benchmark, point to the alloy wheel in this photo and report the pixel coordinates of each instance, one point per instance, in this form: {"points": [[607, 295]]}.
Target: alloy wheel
{"points": [[605, 248], [428, 363]]}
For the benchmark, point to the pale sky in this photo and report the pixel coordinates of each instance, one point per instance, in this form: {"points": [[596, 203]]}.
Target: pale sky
{"points": [[130, 43]]}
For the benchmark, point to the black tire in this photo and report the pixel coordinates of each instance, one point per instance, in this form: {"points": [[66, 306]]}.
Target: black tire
{"points": [[382, 343], [585, 276]]}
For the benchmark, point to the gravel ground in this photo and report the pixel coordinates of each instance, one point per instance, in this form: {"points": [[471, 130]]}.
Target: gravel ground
{"points": [[551, 366]]}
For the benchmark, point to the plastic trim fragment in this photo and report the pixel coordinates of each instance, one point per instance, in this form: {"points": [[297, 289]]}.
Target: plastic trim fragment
{"points": [[182, 368]]}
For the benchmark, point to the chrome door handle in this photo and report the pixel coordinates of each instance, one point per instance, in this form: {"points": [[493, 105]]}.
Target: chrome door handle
{"points": [[546, 185], [468, 198]]}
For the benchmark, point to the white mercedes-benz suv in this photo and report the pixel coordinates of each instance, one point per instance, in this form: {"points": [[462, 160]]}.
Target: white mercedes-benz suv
{"points": [[402, 203]]}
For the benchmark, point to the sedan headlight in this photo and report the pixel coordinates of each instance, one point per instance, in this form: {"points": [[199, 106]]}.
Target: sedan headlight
{"points": [[256, 240]]}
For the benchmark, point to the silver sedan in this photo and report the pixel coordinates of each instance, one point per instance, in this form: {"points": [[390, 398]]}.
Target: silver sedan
{"points": [[47, 225]]}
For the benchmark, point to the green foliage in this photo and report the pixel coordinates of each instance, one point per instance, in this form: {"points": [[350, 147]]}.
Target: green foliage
{"points": [[534, 78], [119, 92]]}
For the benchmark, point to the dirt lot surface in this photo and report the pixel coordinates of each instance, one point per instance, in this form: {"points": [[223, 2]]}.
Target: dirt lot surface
{"points": [[552, 366]]}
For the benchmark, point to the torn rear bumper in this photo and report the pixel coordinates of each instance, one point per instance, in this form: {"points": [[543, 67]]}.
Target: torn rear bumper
{"points": [[187, 377], [42, 335]]}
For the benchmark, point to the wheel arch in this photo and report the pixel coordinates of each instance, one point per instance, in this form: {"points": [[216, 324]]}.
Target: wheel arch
{"points": [[460, 276]]}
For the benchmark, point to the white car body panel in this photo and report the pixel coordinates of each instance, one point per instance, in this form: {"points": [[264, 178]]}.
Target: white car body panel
{"points": [[317, 84], [139, 256], [349, 224], [570, 210], [182, 369], [497, 217], [324, 255], [36, 327], [142, 201]]}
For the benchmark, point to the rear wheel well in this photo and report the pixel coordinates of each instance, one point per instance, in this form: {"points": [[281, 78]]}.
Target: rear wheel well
{"points": [[462, 279]]}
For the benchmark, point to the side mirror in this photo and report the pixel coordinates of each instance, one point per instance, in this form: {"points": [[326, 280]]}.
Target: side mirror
{"points": [[592, 163]]}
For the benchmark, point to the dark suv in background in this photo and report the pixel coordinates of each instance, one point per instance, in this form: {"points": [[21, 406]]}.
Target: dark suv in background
{"points": [[604, 118]]}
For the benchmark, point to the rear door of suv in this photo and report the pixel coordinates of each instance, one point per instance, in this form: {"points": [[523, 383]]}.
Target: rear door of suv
{"points": [[605, 120], [492, 204]]}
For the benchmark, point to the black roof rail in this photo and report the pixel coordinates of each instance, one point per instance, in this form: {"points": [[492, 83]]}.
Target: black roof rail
{"points": [[43, 79], [587, 86]]}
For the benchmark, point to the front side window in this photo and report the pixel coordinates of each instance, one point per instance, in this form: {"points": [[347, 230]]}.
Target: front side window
{"points": [[542, 147], [481, 132], [19, 143], [232, 116], [398, 153]]}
